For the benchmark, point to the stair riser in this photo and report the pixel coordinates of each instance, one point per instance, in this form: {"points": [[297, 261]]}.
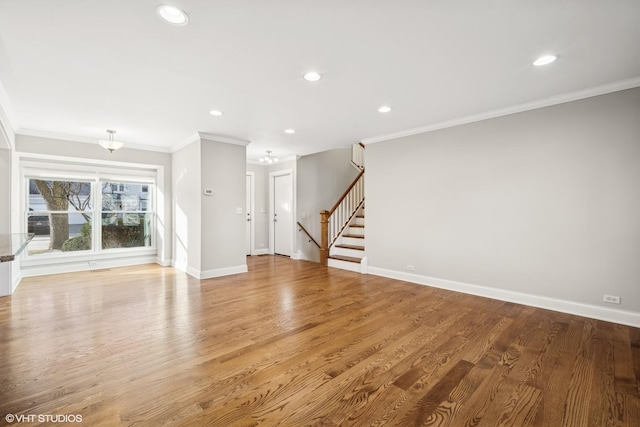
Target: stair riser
{"points": [[347, 252], [359, 221], [356, 230], [344, 265], [353, 241]]}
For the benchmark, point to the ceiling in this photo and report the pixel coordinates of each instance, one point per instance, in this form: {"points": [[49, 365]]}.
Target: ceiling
{"points": [[77, 68]]}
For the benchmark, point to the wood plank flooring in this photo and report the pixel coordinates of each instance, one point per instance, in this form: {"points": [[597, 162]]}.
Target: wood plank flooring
{"points": [[293, 344]]}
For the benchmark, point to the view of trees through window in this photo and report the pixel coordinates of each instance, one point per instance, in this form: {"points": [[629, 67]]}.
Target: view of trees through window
{"points": [[61, 213]]}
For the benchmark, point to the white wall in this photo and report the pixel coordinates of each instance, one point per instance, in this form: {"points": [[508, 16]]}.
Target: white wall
{"points": [[321, 179], [223, 229], [187, 208], [541, 206]]}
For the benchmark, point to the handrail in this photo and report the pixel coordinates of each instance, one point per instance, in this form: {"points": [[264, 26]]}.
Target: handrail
{"points": [[308, 234], [333, 222], [357, 155], [344, 195]]}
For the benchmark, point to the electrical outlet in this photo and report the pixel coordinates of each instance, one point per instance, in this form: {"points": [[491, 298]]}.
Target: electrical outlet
{"points": [[410, 267], [611, 299], [93, 263]]}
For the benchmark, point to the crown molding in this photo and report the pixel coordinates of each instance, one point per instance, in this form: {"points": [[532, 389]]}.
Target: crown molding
{"points": [[7, 120], [7, 137], [86, 140], [527, 106], [209, 137], [223, 138], [189, 140]]}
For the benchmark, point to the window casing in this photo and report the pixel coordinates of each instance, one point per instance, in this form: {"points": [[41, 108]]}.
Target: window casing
{"points": [[107, 213]]}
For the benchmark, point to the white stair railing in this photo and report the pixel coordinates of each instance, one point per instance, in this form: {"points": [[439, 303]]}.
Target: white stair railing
{"points": [[357, 155], [334, 221]]}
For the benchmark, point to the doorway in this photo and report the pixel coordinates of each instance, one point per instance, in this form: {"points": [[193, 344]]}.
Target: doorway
{"points": [[249, 211], [282, 213]]}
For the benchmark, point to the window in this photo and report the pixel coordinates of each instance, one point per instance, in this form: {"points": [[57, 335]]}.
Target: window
{"points": [[126, 220], [59, 215], [62, 214]]}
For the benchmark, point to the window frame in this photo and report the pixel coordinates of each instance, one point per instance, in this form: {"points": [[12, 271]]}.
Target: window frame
{"points": [[73, 171]]}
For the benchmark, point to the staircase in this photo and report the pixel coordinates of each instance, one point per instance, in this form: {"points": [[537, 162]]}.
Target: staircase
{"points": [[343, 226], [348, 253]]}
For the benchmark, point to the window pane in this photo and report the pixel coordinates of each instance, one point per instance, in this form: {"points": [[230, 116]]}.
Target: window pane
{"points": [[49, 195], [123, 196], [59, 232], [126, 230]]}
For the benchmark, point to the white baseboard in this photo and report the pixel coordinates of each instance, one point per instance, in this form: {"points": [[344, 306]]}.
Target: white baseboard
{"points": [[303, 256], [260, 252], [622, 317], [71, 267], [191, 271], [16, 282], [226, 271], [164, 262], [297, 255], [216, 272]]}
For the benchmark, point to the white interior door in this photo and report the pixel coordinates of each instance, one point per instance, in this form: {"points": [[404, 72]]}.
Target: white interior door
{"points": [[249, 213], [282, 214]]}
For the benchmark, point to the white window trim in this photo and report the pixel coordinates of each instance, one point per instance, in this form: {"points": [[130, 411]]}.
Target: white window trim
{"points": [[53, 167]]}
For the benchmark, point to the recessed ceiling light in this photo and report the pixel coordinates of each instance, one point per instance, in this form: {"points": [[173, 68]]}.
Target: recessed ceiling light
{"points": [[216, 113], [312, 76], [544, 60], [289, 131], [172, 14], [384, 109]]}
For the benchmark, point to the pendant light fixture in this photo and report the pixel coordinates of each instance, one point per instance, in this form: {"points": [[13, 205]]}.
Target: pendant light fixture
{"points": [[268, 158], [110, 144]]}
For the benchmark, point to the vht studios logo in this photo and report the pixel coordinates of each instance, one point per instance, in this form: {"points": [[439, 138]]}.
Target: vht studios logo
{"points": [[43, 418]]}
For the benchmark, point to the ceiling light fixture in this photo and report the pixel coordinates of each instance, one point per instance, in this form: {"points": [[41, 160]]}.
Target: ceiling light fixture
{"points": [[268, 158], [384, 109], [172, 15], [544, 60], [216, 113], [290, 131], [312, 76], [110, 144]]}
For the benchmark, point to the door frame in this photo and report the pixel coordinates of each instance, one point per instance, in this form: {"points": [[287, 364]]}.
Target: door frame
{"points": [[252, 211], [272, 176]]}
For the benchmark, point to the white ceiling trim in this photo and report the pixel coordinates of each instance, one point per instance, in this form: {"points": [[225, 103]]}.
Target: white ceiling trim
{"points": [[190, 140], [547, 102], [84, 139], [209, 137], [7, 137], [7, 120], [37, 157], [222, 138]]}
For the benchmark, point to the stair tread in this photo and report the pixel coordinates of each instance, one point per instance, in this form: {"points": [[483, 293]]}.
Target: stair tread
{"points": [[346, 258], [359, 216], [355, 236], [357, 225], [356, 247]]}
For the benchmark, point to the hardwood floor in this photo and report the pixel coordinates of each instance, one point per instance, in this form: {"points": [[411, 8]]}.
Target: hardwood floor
{"points": [[291, 344]]}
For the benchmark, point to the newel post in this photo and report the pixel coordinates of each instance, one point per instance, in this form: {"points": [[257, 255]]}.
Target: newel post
{"points": [[324, 237]]}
